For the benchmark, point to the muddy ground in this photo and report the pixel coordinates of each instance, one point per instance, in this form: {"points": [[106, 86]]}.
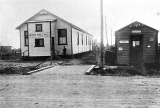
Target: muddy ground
{"points": [[69, 87]]}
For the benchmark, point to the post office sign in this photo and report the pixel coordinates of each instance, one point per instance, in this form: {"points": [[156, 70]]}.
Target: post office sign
{"points": [[38, 34]]}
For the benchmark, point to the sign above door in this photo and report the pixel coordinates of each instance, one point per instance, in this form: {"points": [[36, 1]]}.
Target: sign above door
{"points": [[136, 31]]}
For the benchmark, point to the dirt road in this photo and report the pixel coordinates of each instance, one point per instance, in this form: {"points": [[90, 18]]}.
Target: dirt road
{"points": [[68, 87]]}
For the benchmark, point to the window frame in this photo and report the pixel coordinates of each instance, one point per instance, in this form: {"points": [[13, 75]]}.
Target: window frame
{"points": [[39, 45], [25, 37], [41, 28], [59, 43]]}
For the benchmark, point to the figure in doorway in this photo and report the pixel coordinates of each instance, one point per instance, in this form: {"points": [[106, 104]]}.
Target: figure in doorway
{"points": [[64, 50]]}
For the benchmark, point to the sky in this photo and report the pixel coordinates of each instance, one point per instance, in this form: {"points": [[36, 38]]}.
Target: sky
{"points": [[82, 13]]}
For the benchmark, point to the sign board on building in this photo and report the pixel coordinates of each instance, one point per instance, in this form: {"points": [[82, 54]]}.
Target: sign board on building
{"points": [[136, 31], [120, 48], [151, 39], [38, 34], [123, 41]]}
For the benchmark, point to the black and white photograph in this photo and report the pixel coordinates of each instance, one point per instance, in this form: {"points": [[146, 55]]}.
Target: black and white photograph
{"points": [[79, 54]]}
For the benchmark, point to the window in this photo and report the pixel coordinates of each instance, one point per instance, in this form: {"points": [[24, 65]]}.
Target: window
{"points": [[26, 38], [77, 38], [62, 36], [82, 39], [38, 27], [39, 42], [136, 43]]}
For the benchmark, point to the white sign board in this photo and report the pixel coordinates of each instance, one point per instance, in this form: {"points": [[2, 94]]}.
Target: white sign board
{"points": [[38, 34], [120, 48], [136, 31], [123, 41], [151, 39]]}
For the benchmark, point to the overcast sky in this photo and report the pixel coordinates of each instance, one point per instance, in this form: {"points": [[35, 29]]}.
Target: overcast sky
{"points": [[83, 13]]}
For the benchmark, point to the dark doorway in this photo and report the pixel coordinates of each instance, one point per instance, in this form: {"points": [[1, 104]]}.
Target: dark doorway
{"points": [[136, 49], [53, 50]]}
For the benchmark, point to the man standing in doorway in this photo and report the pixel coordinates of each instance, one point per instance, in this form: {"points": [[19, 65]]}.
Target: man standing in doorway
{"points": [[64, 50]]}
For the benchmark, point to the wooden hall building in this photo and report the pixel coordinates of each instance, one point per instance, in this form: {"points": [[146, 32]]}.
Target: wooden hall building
{"points": [[136, 43], [45, 32]]}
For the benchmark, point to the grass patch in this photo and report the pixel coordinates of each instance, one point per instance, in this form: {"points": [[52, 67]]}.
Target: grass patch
{"points": [[19, 67], [125, 71], [14, 70], [88, 58], [132, 71]]}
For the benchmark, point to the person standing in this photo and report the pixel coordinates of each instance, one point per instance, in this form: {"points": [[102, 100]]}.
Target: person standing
{"points": [[64, 50]]}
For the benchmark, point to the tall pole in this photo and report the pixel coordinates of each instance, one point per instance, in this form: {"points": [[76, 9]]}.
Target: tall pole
{"points": [[51, 44], [132, 19], [111, 36], [101, 6], [106, 33]]}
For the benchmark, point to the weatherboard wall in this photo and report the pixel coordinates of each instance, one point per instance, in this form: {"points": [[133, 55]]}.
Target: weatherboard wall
{"points": [[123, 55], [150, 53], [78, 45], [39, 51], [150, 48], [44, 17], [63, 25], [22, 43]]}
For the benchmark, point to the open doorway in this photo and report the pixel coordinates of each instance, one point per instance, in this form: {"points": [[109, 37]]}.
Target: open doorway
{"points": [[136, 49]]}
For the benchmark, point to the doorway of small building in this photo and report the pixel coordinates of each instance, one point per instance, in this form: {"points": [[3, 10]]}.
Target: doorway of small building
{"points": [[136, 49], [53, 50], [55, 53]]}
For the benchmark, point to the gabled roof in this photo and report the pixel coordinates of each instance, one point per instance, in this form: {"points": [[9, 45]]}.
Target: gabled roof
{"points": [[42, 20], [43, 11], [137, 24]]}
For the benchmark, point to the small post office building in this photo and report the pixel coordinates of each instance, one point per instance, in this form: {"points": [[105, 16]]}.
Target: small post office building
{"points": [[45, 32]]}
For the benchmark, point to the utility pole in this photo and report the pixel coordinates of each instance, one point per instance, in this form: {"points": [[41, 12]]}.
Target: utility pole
{"points": [[51, 54], [132, 19], [106, 34], [111, 36], [101, 6]]}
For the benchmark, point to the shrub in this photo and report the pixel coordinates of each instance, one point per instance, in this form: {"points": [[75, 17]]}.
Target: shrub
{"points": [[132, 71], [153, 72], [88, 58], [9, 70], [151, 66]]}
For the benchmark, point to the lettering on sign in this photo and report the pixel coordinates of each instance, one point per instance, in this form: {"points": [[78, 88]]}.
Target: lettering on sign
{"points": [[123, 41], [38, 34], [136, 31]]}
